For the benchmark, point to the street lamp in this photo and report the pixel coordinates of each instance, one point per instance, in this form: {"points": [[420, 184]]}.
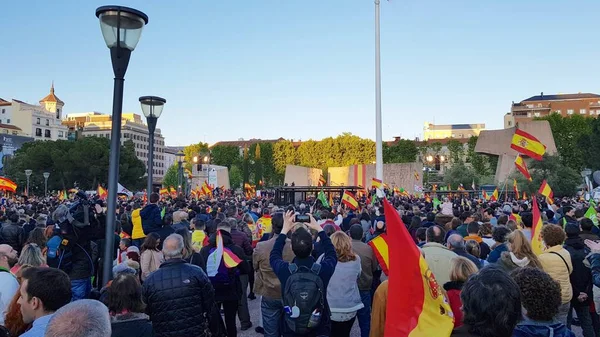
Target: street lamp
{"points": [[121, 28], [46, 176], [429, 158], [28, 174], [180, 155], [152, 107], [207, 162]]}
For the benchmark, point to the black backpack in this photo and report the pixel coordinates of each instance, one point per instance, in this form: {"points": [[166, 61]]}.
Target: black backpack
{"points": [[304, 289]]}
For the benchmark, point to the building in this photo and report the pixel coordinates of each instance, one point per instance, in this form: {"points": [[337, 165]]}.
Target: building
{"points": [[95, 124], [586, 104], [171, 155], [41, 122], [442, 131]]}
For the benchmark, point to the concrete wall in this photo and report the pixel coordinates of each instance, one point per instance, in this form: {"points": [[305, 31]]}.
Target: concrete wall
{"points": [[302, 176], [400, 175]]}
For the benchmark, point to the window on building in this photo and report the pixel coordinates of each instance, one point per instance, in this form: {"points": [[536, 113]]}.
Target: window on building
{"points": [[3, 111], [582, 111], [60, 134], [453, 135], [539, 105], [38, 132], [569, 111], [8, 121], [15, 133], [5, 130], [47, 133], [558, 112], [536, 114], [47, 122], [529, 114], [509, 123], [37, 121]]}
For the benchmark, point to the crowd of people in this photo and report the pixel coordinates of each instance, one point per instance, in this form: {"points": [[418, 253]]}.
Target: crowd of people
{"points": [[187, 267]]}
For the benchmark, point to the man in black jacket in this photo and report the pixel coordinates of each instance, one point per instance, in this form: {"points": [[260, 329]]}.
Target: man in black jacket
{"points": [[229, 294], [11, 233], [151, 217], [179, 295]]}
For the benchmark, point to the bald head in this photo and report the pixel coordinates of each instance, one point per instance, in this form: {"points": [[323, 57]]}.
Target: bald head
{"points": [[435, 234], [456, 241], [173, 247], [8, 256], [83, 318]]}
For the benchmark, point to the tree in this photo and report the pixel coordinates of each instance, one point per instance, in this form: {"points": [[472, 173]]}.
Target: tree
{"points": [[562, 179], [284, 154], [246, 165], [190, 151], [568, 133], [256, 164], [456, 150], [235, 177], [225, 155], [460, 173], [479, 162], [590, 144], [436, 147], [171, 178], [403, 151]]}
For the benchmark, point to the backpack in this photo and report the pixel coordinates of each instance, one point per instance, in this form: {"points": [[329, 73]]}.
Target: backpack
{"points": [[304, 289], [226, 278], [59, 253]]}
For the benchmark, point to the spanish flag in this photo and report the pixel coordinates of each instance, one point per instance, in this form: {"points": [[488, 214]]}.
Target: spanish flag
{"points": [[494, 196], [380, 248], [206, 189], [528, 145], [423, 310], [322, 181], [218, 254], [520, 164], [377, 183], [349, 200], [524, 195], [163, 191], [536, 230], [7, 185], [484, 195], [546, 191], [516, 189], [102, 193]]}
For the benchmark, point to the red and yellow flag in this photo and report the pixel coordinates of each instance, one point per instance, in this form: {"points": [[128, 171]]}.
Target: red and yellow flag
{"points": [[380, 248], [494, 196], [424, 311], [484, 194], [7, 185], [546, 191], [528, 145], [522, 167], [524, 195], [163, 191], [322, 180], [349, 200], [102, 193], [516, 189], [377, 183], [536, 229]]}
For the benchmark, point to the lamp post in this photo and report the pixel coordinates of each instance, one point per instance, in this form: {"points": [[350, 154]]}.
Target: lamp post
{"points": [[378, 132], [188, 188], [206, 161], [121, 28], [180, 155], [28, 174], [46, 176], [152, 107]]}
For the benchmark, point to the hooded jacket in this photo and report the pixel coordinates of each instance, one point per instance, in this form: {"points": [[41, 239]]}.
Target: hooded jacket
{"points": [[581, 277], [509, 261], [131, 324], [151, 218], [528, 328]]}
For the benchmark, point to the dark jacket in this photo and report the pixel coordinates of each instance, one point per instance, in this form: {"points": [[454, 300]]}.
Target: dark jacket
{"points": [[463, 331], [178, 295], [244, 268], [131, 325], [595, 263], [83, 264], [529, 328], [496, 253], [151, 219], [163, 232], [328, 263], [12, 234], [463, 253], [241, 240], [585, 235], [581, 277], [462, 230]]}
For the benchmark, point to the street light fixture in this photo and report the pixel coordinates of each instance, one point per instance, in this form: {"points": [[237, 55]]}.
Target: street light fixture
{"points": [[152, 107], [28, 174], [121, 28], [180, 155], [429, 158], [46, 176]]}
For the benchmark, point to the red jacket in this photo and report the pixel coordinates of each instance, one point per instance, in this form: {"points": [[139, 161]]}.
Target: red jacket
{"points": [[453, 290]]}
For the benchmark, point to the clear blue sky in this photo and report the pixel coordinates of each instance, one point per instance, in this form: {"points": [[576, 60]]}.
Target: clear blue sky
{"points": [[304, 68]]}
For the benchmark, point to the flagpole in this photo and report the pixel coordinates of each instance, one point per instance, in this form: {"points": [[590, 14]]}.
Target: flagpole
{"points": [[378, 136]]}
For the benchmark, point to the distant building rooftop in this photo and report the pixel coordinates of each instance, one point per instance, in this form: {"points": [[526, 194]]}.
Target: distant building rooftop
{"points": [[242, 142], [559, 97]]}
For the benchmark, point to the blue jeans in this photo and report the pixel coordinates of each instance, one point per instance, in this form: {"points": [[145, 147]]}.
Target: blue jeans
{"points": [[364, 314], [271, 311], [81, 288]]}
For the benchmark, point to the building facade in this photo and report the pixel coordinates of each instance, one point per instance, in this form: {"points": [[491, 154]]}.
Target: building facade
{"points": [[586, 104], [41, 122], [442, 131], [95, 124]]}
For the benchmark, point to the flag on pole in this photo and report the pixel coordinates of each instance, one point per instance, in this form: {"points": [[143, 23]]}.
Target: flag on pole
{"points": [[424, 310], [330, 199], [417, 177], [322, 181], [473, 185], [163, 191], [591, 213], [516, 189], [524, 195], [528, 145], [218, 254], [436, 202], [546, 191], [163, 212], [377, 183], [536, 230], [484, 195], [380, 248], [321, 197], [522, 167], [102, 193], [494, 196], [349, 200]]}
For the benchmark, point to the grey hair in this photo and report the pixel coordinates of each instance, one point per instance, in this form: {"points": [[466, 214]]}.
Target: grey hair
{"points": [[31, 255], [176, 253], [456, 241], [82, 318]]}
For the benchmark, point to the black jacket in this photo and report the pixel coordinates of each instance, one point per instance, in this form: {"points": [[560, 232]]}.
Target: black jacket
{"points": [[151, 218], [12, 234], [177, 296], [131, 325], [581, 277], [244, 268], [463, 253]]}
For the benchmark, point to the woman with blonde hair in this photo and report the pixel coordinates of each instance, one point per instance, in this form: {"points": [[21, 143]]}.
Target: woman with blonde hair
{"points": [[460, 270], [342, 292], [30, 255], [519, 254]]}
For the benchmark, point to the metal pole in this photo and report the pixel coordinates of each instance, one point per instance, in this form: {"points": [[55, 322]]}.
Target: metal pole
{"points": [[179, 176], [113, 177], [151, 129], [27, 185], [45, 187], [378, 136]]}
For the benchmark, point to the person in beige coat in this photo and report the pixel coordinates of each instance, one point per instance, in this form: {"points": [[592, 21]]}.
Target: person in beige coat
{"points": [[556, 261], [151, 257], [437, 255], [266, 283]]}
